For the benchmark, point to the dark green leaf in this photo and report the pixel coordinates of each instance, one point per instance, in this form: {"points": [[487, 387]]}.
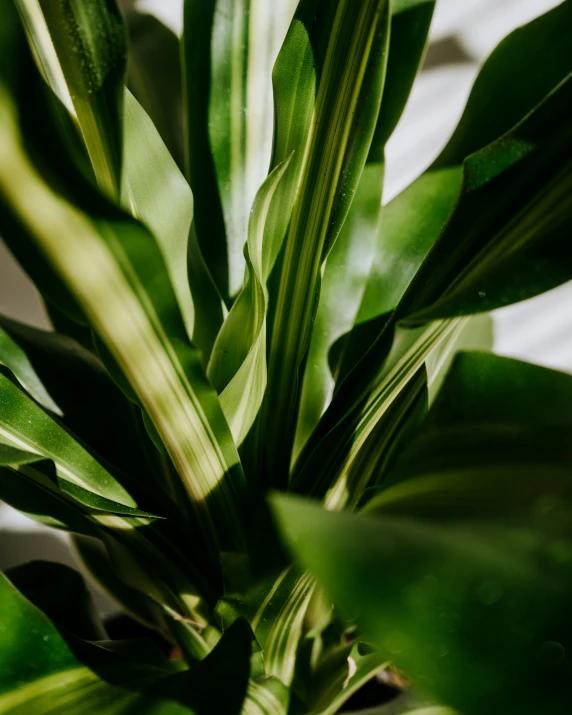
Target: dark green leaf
{"points": [[209, 221], [61, 594], [460, 569], [94, 409], [39, 673], [218, 684]]}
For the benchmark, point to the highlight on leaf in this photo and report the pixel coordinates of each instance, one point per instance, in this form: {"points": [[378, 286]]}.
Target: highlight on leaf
{"points": [[267, 411]]}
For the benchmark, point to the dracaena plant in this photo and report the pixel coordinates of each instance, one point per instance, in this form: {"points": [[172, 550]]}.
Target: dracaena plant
{"points": [[258, 413]]}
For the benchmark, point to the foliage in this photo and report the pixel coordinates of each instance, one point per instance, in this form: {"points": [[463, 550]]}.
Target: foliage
{"points": [[267, 413]]}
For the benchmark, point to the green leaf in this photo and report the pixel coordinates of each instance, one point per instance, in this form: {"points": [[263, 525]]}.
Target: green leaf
{"points": [[108, 259], [142, 552], [156, 192], [476, 335], [90, 42], [93, 556], [539, 52], [531, 166], [39, 673], [238, 363], [240, 109], [25, 426], [513, 216], [197, 77], [42, 503], [155, 77], [16, 360], [266, 696], [275, 608], [474, 528], [61, 594], [413, 221], [362, 664], [345, 44], [348, 265], [409, 227], [367, 460], [228, 664], [518, 411], [74, 378], [500, 587], [345, 274]]}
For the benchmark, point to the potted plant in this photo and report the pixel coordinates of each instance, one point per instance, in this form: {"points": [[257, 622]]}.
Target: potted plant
{"points": [[268, 412]]}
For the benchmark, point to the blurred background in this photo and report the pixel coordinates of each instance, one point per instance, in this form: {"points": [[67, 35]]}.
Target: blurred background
{"points": [[464, 32]]}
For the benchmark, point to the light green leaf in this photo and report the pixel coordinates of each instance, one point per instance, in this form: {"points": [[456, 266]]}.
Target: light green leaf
{"points": [[155, 192], [363, 662], [238, 363]]}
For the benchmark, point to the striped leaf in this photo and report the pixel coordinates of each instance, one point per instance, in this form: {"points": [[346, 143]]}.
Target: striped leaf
{"points": [[275, 609], [246, 37], [347, 44], [528, 173], [238, 364], [347, 268], [91, 46], [265, 697], [115, 269]]}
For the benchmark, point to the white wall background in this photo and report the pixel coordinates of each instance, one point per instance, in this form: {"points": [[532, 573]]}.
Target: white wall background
{"points": [[464, 32]]}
